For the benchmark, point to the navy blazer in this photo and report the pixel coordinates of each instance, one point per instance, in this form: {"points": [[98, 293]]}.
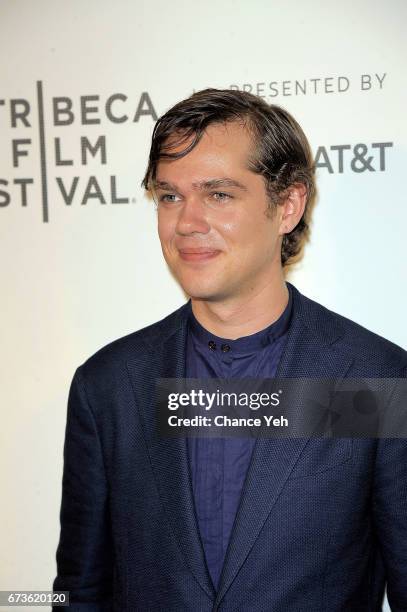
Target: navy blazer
{"points": [[322, 523]]}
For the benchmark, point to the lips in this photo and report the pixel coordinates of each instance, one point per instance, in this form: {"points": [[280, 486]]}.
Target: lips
{"points": [[198, 253]]}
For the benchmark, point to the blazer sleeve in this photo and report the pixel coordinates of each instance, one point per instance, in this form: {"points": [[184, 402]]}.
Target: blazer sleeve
{"points": [[390, 516], [85, 554]]}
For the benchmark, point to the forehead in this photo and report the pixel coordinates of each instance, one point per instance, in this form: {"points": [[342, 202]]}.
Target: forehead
{"points": [[223, 146]]}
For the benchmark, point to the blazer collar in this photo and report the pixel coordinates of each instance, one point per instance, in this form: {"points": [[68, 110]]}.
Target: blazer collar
{"points": [[322, 324]]}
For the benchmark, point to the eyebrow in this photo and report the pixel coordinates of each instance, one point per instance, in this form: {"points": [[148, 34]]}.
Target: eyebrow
{"points": [[204, 185]]}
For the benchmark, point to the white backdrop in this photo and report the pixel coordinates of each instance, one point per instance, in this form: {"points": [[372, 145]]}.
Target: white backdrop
{"points": [[79, 270]]}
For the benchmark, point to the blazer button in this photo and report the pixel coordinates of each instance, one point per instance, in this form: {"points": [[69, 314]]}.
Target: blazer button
{"points": [[212, 345]]}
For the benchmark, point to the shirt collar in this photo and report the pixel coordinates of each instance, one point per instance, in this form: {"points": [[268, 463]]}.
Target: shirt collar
{"points": [[245, 344]]}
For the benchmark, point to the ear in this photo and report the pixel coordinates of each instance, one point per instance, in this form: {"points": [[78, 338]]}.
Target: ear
{"points": [[292, 209]]}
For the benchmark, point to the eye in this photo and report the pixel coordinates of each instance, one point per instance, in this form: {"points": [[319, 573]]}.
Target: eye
{"points": [[169, 198], [221, 196]]}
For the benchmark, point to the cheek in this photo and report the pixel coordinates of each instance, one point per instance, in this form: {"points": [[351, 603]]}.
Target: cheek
{"points": [[241, 230], [166, 228], [234, 226], [256, 236]]}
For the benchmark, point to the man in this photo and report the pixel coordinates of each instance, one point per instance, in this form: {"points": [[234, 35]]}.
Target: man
{"points": [[155, 523]]}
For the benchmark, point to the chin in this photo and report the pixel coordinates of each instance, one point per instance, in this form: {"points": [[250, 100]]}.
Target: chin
{"points": [[199, 290], [199, 293]]}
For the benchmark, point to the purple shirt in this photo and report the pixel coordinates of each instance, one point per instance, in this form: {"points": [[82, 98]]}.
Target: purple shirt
{"points": [[219, 465]]}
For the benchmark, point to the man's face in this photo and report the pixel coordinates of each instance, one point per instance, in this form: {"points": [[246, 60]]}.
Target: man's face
{"points": [[212, 222]]}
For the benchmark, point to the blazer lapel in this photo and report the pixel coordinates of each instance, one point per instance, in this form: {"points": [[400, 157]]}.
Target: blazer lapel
{"points": [[307, 355], [168, 456]]}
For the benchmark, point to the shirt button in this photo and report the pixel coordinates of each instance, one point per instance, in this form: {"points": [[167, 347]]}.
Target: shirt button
{"points": [[212, 345], [225, 348]]}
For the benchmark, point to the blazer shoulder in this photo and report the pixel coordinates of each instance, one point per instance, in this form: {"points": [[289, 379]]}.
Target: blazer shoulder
{"points": [[116, 353], [359, 342]]}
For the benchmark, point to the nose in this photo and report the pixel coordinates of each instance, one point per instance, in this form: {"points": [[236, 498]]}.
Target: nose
{"points": [[192, 217]]}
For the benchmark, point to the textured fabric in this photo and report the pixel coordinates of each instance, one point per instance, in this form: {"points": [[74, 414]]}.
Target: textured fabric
{"points": [[321, 522], [219, 465]]}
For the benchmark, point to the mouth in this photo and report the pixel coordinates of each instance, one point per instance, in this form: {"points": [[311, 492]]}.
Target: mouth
{"points": [[198, 254]]}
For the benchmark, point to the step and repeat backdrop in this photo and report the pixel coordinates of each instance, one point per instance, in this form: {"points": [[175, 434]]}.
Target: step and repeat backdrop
{"points": [[81, 86]]}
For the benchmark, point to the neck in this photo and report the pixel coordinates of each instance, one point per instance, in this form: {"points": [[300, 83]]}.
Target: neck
{"points": [[243, 316]]}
